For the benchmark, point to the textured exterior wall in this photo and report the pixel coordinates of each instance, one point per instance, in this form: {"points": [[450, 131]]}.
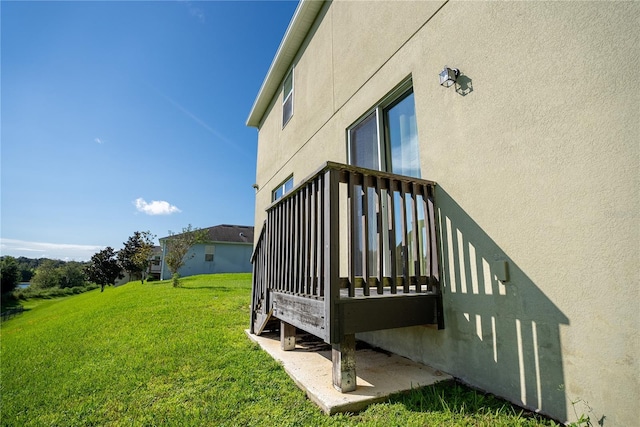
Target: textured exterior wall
{"points": [[227, 258], [536, 155]]}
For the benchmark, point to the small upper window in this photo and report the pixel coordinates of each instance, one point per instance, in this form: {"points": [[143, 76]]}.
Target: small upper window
{"points": [[282, 189], [287, 98]]}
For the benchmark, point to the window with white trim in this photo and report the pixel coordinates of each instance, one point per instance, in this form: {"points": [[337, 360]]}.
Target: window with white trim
{"points": [[282, 189], [287, 98]]}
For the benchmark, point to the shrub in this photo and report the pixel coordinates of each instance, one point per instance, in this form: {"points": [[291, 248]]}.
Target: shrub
{"points": [[32, 292]]}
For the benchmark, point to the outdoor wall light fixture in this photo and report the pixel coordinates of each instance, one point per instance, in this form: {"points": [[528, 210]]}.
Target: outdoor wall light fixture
{"points": [[448, 76]]}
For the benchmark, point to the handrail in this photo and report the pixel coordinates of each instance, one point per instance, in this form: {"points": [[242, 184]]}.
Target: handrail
{"points": [[259, 242], [340, 167], [259, 285], [389, 231]]}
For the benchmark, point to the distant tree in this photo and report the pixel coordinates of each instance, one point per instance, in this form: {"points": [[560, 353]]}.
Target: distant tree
{"points": [[142, 257], [134, 256], [47, 275], [9, 274], [103, 268], [27, 267], [177, 247], [71, 275]]}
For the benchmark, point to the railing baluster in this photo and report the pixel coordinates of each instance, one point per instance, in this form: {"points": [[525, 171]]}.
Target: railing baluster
{"points": [[311, 240], [416, 236], [429, 244], [351, 230], [293, 264], [260, 269], [276, 246], [293, 286], [288, 217], [365, 235], [404, 229], [279, 278], [321, 232], [392, 235], [302, 275], [273, 226], [307, 239], [318, 236], [263, 261], [380, 235], [298, 248]]}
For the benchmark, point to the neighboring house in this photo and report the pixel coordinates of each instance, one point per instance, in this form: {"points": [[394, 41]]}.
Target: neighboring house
{"points": [[227, 250], [522, 251], [155, 264], [153, 271]]}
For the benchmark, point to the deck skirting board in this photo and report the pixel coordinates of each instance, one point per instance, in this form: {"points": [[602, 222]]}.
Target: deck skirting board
{"points": [[354, 315], [304, 313], [372, 314]]}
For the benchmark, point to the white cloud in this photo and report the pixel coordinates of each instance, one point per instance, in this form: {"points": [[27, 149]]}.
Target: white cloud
{"points": [[156, 207], [65, 251], [98, 140]]}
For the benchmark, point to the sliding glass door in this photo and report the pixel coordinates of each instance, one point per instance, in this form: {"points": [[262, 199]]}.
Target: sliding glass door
{"points": [[386, 139]]}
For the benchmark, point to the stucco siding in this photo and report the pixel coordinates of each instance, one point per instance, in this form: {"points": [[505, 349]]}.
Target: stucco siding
{"points": [[366, 35], [536, 154]]}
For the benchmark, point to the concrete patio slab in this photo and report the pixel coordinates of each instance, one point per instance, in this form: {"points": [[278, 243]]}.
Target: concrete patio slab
{"points": [[379, 373]]}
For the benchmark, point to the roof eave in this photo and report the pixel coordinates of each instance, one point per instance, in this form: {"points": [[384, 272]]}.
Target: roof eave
{"points": [[298, 28]]}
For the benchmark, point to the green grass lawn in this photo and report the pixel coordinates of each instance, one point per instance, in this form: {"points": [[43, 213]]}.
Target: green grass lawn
{"points": [[150, 354]]}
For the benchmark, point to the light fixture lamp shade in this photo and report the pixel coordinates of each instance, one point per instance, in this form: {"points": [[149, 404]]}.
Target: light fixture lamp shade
{"points": [[448, 76]]}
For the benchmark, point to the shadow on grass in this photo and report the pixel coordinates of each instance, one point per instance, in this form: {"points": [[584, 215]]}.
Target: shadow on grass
{"points": [[11, 308], [8, 301], [456, 398]]}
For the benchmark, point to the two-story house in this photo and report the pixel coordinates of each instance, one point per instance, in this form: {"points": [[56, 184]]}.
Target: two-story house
{"points": [[472, 166]]}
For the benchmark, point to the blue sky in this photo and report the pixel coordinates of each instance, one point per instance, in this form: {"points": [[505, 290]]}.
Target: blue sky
{"points": [[128, 116]]}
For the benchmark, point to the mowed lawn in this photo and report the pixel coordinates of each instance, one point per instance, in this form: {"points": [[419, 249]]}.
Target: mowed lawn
{"points": [[150, 354]]}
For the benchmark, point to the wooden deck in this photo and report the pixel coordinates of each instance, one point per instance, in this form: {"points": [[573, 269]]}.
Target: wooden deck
{"points": [[383, 225]]}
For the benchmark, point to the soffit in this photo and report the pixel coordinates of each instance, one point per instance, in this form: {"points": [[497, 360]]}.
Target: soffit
{"points": [[299, 27]]}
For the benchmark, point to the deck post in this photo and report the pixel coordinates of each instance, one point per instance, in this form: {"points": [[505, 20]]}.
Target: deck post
{"points": [[343, 356], [331, 254], [287, 336]]}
